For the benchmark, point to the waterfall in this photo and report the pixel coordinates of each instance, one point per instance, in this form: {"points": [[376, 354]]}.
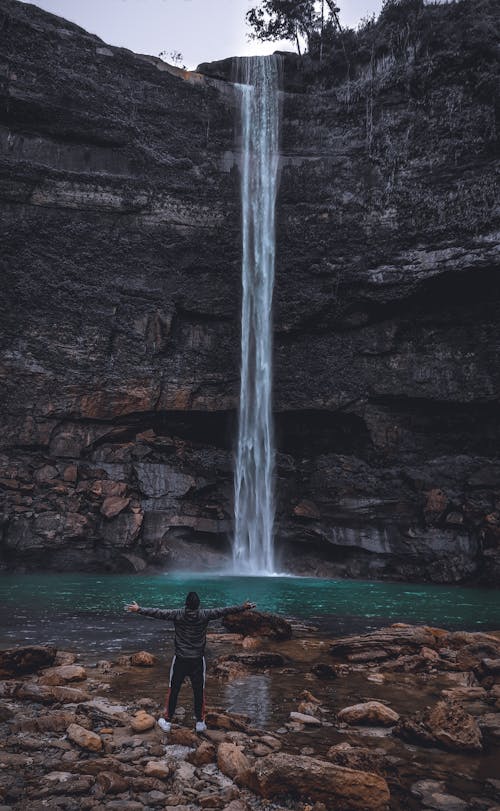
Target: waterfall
{"points": [[253, 548]]}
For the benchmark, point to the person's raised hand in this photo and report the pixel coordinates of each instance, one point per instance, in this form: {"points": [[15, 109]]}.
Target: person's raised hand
{"points": [[132, 606], [248, 604]]}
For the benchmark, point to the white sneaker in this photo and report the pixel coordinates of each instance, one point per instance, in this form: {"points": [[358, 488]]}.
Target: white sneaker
{"points": [[164, 724], [200, 726]]}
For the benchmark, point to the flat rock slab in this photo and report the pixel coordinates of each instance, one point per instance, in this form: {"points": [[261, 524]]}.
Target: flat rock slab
{"points": [[433, 795], [319, 780]]}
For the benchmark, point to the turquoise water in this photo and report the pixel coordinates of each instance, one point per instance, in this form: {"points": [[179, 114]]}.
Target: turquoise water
{"points": [[82, 610]]}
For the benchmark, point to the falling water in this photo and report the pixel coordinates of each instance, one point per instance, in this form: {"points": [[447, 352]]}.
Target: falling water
{"points": [[253, 551]]}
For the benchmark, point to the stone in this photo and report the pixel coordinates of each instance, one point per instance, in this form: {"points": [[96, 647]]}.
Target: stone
{"points": [[372, 713], [143, 659], [308, 720], [491, 665], [231, 761], [489, 724], [258, 623], [357, 757], [433, 795], [183, 737], [324, 671], [142, 721], [158, 768], [319, 780], [205, 753], [111, 782], [227, 721], [447, 725], [26, 659], [63, 675], [84, 738], [113, 505]]}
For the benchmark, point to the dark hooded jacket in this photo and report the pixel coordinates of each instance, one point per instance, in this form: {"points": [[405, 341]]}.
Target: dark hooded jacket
{"points": [[190, 626]]}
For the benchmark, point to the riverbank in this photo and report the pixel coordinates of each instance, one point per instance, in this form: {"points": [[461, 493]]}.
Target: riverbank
{"points": [[406, 717]]}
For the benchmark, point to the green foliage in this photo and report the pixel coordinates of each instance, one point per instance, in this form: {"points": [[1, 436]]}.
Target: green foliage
{"points": [[292, 20], [457, 41]]}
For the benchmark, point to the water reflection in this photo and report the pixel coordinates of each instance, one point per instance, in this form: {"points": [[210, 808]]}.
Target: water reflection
{"points": [[251, 696]]}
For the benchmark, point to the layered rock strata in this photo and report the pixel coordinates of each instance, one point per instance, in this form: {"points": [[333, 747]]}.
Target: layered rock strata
{"points": [[120, 264]]}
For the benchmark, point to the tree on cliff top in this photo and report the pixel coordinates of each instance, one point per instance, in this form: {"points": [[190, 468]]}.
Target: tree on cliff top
{"points": [[293, 20]]}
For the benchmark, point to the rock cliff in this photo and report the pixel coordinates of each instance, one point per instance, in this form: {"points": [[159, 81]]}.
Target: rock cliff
{"points": [[119, 191]]}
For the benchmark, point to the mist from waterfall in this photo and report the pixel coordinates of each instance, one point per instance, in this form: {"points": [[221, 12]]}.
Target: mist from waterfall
{"points": [[253, 544]]}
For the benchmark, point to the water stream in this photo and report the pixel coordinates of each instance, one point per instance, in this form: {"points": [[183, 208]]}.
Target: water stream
{"points": [[253, 551]]}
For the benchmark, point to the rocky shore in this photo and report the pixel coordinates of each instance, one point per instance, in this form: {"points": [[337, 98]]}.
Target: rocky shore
{"points": [[406, 717]]}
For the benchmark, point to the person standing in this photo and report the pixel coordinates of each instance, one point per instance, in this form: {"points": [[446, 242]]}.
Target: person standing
{"points": [[190, 625]]}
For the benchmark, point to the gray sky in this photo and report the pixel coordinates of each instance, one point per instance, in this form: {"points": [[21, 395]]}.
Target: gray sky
{"points": [[202, 30]]}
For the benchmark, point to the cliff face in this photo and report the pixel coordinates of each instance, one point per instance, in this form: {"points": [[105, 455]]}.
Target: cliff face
{"points": [[120, 334]]}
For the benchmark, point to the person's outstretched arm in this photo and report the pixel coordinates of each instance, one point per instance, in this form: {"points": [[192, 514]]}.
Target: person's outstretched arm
{"points": [[217, 613], [157, 613]]}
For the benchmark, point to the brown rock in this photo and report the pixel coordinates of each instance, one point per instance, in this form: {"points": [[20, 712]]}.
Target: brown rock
{"points": [[324, 671], [205, 753], [157, 768], [357, 757], [70, 473], [183, 737], [27, 659], [231, 761], [251, 642], [112, 783], [447, 725], [63, 674], [308, 708], [142, 721], [84, 738], [143, 659], [237, 805], [113, 505], [229, 720], [258, 623], [319, 780], [370, 712]]}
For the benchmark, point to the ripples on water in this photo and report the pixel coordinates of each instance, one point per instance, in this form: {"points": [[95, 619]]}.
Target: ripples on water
{"points": [[86, 611]]}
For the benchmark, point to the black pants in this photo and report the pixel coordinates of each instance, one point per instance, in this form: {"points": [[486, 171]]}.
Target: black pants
{"points": [[195, 669]]}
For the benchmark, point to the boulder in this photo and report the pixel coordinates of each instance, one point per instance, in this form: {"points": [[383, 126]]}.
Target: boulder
{"points": [[227, 720], [48, 694], [142, 721], [157, 768], [143, 659], [26, 659], [372, 713], [183, 737], [319, 780], [84, 738], [357, 757], [258, 623], [446, 725], [111, 782], [205, 753], [231, 761], [63, 674]]}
